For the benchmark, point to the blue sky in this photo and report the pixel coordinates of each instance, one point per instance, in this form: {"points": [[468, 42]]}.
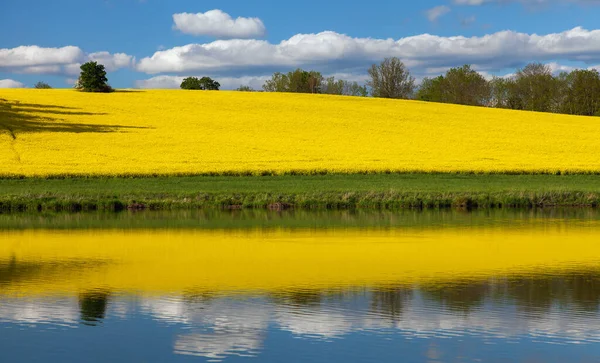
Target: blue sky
{"points": [[154, 43]]}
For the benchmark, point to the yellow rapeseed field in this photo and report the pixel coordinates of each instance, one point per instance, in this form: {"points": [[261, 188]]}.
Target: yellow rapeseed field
{"points": [[168, 261], [59, 132]]}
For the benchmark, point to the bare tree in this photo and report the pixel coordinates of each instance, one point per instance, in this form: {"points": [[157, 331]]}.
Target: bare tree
{"points": [[391, 79]]}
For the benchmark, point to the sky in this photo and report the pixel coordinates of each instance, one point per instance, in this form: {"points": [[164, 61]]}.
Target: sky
{"points": [[156, 43]]}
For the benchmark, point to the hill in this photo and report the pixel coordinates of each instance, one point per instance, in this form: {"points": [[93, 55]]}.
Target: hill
{"points": [[64, 132]]}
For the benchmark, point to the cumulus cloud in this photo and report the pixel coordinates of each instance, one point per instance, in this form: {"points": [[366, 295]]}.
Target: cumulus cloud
{"points": [[333, 51], [218, 24], [33, 59], [9, 83], [112, 62], [435, 13]]}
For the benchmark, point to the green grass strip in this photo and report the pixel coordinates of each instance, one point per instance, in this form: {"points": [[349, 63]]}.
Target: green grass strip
{"points": [[334, 191]]}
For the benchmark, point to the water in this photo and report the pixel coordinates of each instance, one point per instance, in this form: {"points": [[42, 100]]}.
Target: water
{"points": [[297, 286]]}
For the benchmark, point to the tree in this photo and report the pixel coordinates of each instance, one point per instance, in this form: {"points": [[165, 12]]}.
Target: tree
{"points": [[279, 82], [431, 90], [209, 84], [42, 85], [298, 81], [245, 89], [332, 86], [302, 81], [204, 84], [582, 93], [191, 83], [464, 86], [499, 92], [534, 89], [354, 89], [93, 78], [391, 79]]}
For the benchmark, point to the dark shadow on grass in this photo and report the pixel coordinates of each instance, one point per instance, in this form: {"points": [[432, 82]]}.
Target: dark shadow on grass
{"points": [[17, 119], [56, 111], [39, 106]]}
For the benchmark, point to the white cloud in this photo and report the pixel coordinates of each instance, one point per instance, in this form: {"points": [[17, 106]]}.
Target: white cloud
{"points": [[329, 51], [556, 68], [112, 62], [9, 83], [31, 56], [435, 13], [33, 59], [218, 24], [160, 82]]}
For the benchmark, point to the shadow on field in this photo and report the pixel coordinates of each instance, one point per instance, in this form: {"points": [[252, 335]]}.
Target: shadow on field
{"points": [[19, 118]]}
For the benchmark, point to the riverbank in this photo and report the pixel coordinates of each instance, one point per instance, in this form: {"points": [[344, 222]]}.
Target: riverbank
{"points": [[377, 191]]}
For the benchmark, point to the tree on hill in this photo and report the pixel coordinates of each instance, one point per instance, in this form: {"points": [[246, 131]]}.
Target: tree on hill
{"points": [[297, 81], [534, 88], [245, 89], [42, 85], [204, 84], [332, 86], [582, 93], [431, 90], [391, 79], [465, 86], [462, 85], [301, 81], [279, 82], [93, 78]]}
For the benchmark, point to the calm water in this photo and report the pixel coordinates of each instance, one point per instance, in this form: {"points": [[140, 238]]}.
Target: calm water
{"points": [[297, 287]]}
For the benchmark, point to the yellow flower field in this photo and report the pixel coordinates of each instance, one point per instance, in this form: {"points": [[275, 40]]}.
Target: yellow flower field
{"points": [[167, 261], [58, 132]]}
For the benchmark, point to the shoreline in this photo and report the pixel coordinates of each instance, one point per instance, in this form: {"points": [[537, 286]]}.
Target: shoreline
{"points": [[318, 192]]}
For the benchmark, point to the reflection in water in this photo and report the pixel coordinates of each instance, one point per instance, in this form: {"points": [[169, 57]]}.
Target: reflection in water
{"points": [[93, 307], [390, 302], [511, 309], [241, 294]]}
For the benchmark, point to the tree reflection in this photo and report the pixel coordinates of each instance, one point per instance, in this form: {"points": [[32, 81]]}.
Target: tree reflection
{"points": [[299, 297], [533, 294], [461, 296], [92, 307], [390, 301], [585, 289]]}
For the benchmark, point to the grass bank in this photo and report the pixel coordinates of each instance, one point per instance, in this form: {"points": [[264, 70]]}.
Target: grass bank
{"points": [[376, 191]]}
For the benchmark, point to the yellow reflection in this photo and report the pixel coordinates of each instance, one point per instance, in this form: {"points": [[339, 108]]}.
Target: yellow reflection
{"points": [[161, 261]]}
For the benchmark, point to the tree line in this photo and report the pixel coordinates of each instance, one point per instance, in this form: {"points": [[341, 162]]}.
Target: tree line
{"points": [[301, 81], [531, 88]]}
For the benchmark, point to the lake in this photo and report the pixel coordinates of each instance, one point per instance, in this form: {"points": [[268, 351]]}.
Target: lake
{"points": [[300, 286]]}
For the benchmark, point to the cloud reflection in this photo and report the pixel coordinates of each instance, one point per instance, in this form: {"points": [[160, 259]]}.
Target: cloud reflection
{"points": [[216, 327]]}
